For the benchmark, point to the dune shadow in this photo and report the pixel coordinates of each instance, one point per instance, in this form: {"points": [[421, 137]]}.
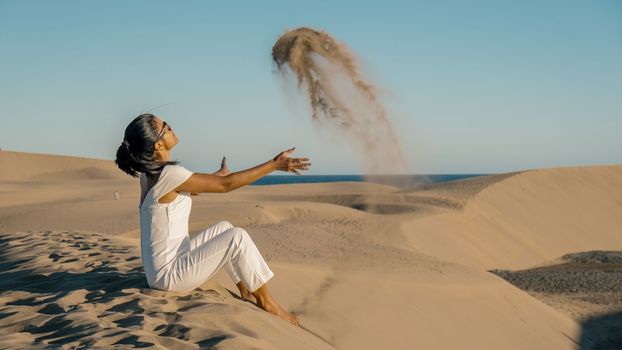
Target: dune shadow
{"points": [[602, 332], [386, 204], [102, 283], [590, 277]]}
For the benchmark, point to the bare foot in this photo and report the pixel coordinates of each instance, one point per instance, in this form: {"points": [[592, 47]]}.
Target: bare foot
{"points": [[278, 310], [267, 303]]}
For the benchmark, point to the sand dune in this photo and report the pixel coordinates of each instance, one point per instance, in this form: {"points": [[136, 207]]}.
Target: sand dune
{"points": [[530, 218], [413, 274], [20, 166]]}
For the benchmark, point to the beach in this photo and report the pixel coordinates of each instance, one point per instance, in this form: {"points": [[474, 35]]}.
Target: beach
{"points": [[478, 263]]}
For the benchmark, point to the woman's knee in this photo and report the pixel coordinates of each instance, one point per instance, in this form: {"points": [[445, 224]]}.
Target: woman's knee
{"points": [[239, 234], [226, 224]]}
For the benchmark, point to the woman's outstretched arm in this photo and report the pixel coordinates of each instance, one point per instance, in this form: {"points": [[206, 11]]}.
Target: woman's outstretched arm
{"points": [[223, 171], [201, 183]]}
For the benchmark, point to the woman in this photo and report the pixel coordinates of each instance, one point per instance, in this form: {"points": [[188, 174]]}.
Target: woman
{"points": [[172, 260]]}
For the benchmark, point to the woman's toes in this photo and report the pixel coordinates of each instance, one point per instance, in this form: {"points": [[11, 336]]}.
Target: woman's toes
{"points": [[279, 311]]}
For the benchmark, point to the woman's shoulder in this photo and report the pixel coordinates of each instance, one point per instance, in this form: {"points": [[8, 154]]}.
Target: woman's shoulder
{"points": [[177, 168], [175, 173]]}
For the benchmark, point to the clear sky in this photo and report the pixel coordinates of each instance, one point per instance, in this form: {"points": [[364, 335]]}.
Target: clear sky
{"points": [[471, 86]]}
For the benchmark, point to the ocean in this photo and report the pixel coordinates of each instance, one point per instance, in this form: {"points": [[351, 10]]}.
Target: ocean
{"points": [[396, 180]]}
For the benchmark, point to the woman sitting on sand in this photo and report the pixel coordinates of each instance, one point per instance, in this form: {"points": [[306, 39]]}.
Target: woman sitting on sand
{"points": [[172, 260]]}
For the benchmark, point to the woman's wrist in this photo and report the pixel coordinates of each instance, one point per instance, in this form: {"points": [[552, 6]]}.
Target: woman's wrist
{"points": [[273, 164]]}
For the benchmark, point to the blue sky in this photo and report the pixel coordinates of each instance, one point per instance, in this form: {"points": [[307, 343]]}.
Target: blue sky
{"points": [[471, 86]]}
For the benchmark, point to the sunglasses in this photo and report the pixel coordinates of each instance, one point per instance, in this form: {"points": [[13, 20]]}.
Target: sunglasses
{"points": [[164, 128]]}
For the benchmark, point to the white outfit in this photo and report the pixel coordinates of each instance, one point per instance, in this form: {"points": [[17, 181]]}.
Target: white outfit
{"points": [[173, 260]]}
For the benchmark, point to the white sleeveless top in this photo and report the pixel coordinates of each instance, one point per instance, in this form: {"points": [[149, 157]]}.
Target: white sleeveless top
{"points": [[163, 226]]}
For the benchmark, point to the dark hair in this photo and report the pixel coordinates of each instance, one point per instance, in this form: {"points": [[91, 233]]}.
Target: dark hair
{"points": [[136, 153]]}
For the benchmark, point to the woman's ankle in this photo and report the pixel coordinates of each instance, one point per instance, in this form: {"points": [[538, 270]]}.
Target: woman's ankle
{"points": [[263, 297], [244, 292]]}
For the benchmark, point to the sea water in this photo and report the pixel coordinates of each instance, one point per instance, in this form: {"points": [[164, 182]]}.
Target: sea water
{"points": [[398, 180]]}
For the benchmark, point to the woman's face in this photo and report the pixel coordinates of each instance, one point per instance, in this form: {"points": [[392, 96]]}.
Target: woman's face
{"points": [[167, 139]]}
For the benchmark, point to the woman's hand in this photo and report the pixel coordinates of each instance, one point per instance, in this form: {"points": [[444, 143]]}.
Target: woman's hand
{"points": [[284, 163], [224, 170]]}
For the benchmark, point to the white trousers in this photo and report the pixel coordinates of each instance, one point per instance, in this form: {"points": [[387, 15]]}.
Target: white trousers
{"points": [[220, 245]]}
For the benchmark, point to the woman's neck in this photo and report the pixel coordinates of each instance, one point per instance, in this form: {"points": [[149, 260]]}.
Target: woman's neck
{"points": [[162, 156]]}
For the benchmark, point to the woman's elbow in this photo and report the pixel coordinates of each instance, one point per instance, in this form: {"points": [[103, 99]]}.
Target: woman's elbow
{"points": [[226, 185]]}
